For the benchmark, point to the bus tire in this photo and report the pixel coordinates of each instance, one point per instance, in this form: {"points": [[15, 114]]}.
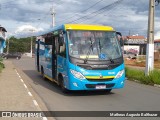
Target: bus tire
{"points": [[42, 73], [61, 81], [108, 90]]}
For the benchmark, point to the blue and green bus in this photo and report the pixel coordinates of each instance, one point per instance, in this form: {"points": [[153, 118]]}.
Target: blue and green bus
{"points": [[81, 57]]}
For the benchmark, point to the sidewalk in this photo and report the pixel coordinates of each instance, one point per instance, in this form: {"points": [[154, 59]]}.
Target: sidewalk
{"points": [[14, 95]]}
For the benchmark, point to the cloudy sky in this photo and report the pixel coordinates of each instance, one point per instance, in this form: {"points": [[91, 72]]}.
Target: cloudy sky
{"points": [[126, 16]]}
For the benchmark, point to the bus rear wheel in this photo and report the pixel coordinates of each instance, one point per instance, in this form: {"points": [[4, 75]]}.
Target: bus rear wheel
{"points": [[42, 73]]}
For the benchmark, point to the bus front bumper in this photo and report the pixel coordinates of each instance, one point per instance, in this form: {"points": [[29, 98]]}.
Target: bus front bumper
{"points": [[77, 84]]}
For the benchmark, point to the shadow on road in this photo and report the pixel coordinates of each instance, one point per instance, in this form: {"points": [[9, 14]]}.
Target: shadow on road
{"points": [[37, 79]]}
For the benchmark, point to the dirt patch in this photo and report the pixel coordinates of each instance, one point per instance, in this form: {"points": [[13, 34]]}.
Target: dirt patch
{"points": [[142, 63]]}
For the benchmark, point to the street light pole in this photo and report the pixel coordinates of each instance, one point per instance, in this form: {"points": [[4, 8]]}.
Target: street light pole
{"points": [[53, 13], [150, 39]]}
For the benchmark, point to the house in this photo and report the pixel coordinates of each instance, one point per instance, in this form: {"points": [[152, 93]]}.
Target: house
{"points": [[135, 44], [157, 49], [2, 39], [157, 45]]}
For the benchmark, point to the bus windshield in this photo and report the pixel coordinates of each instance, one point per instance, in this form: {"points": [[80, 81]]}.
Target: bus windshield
{"points": [[94, 45]]}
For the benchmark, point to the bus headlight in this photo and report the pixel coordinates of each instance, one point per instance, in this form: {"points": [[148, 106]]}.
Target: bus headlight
{"points": [[77, 74], [119, 74]]}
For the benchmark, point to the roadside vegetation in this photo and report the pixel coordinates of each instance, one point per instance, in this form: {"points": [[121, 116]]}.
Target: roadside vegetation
{"points": [[21, 45], [139, 75], [1, 64]]}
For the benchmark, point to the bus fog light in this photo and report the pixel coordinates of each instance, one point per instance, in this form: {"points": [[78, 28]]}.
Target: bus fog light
{"points": [[122, 83], [77, 74], [119, 74], [75, 84]]}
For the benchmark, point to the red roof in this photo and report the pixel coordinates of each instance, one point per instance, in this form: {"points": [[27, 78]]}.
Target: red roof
{"points": [[158, 40], [135, 37]]}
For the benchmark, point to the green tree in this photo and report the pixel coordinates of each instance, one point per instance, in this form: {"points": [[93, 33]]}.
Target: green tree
{"points": [[20, 45]]}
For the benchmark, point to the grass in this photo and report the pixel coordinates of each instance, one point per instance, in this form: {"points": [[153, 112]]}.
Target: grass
{"points": [[1, 64], [135, 74]]}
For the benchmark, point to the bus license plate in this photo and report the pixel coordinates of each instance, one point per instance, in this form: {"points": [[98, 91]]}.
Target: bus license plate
{"points": [[100, 86]]}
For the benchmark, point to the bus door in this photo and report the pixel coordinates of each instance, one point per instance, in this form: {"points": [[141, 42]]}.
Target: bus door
{"points": [[38, 47], [54, 57]]}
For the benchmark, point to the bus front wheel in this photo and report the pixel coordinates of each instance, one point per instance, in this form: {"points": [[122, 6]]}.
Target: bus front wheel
{"points": [[62, 85], [108, 90]]}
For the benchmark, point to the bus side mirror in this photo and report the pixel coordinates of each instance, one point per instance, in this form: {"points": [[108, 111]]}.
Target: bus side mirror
{"points": [[120, 38]]}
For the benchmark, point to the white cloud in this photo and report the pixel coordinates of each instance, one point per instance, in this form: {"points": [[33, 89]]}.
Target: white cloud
{"points": [[27, 31], [129, 15], [157, 35], [27, 28]]}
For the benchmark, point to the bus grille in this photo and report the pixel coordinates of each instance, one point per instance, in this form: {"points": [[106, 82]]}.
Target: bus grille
{"points": [[100, 80]]}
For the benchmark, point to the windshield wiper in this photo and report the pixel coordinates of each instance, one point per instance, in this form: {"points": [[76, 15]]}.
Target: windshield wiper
{"points": [[88, 53], [110, 59]]}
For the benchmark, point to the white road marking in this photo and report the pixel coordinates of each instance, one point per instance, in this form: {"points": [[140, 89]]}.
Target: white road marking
{"points": [[25, 85], [21, 80], [35, 102], [30, 94]]}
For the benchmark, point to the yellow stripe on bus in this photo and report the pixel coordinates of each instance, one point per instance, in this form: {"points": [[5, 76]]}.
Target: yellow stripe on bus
{"points": [[88, 27], [99, 77], [51, 79]]}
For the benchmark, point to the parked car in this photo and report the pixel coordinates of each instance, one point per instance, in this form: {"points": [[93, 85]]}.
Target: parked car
{"points": [[12, 55], [130, 55]]}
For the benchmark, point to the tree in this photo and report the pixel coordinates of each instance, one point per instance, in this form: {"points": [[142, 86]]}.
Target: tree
{"points": [[21, 45]]}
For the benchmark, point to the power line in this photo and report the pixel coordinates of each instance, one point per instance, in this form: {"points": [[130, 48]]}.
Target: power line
{"points": [[44, 17], [81, 11], [92, 6], [108, 13], [98, 11], [109, 10]]}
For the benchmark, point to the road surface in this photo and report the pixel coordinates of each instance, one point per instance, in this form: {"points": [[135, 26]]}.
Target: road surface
{"points": [[134, 97]]}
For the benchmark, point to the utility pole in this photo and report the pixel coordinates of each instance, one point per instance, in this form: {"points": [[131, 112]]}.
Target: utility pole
{"points": [[150, 39], [53, 13]]}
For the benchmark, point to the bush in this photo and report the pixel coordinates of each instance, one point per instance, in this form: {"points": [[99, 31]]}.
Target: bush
{"points": [[135, 74], [1, 64]]}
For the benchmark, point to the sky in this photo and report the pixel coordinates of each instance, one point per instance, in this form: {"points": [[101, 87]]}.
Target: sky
{"points": [[130, 17]]}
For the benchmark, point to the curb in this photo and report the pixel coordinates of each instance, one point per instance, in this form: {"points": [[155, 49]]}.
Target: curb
{"points": [[137, 81], [156, 85]]}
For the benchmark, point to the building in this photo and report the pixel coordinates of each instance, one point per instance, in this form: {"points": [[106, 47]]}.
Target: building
{"points": [[2, 39], [157, 45], [135, 44], [157, 49]]}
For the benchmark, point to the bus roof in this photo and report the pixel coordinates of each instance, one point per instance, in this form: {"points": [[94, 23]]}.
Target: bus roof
{"points": [[77, 27], [87, 27]]}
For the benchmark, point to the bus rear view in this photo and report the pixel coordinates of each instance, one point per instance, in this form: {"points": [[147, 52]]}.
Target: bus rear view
{"points": [[93, 60]]}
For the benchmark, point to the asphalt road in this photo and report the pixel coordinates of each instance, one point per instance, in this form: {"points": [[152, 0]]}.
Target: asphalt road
{"points": [[134, 97]]}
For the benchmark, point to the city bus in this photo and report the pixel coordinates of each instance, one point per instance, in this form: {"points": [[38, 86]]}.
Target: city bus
{"points": [[81, 57]]}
